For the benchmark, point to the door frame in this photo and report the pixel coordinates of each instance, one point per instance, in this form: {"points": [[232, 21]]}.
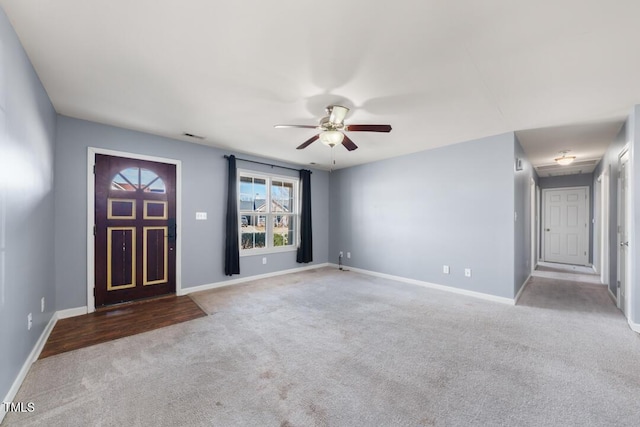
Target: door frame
{"points": [[543, 220], [91, 182], [533, 223], [628, 273], [603, 228]]}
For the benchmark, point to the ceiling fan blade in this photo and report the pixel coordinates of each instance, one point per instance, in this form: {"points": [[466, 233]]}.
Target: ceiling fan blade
{"points": [[338, 113], [296, 126], [307, 142], [368, 128], [348, 143]]}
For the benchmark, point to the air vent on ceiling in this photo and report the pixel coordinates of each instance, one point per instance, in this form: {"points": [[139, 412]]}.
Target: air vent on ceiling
{"points": [[191, 135]]}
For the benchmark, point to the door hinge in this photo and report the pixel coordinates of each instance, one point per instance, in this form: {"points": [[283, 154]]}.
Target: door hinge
{"points": [[94, 292], [94, 169], [94, 229], [618, 283]]}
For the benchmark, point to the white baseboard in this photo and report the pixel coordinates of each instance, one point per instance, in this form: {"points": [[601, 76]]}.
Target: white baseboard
{"points": [[429, 285], [33, 356], [71, 312], [635, 327], [185, 291], [519, 294]]}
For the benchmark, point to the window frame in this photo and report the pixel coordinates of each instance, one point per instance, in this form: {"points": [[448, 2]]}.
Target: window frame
{"points": [[295, 213]]}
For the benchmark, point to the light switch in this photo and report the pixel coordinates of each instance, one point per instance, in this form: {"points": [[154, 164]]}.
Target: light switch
{"points": [[201, 215]]}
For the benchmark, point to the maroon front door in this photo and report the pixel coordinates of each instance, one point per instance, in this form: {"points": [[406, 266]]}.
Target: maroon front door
{"points": [[135, 229]]}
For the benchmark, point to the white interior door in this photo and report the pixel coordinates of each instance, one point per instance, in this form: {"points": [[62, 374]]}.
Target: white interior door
{"points": [[604, 227], [533, 222], [623, 231], [566, 230]]}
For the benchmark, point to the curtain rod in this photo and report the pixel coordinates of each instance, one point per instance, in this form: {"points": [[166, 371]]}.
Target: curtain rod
{"points": [[266, 164]]}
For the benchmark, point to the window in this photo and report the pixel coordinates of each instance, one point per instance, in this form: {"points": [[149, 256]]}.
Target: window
{"points": [[268, 212], [133, 179]]}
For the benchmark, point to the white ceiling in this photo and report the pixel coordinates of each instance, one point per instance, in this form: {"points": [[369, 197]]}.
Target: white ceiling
{"points": [[564, 72]]}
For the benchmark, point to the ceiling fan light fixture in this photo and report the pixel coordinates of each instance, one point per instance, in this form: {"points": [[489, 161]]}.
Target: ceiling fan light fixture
{"points": [[331, 138], [564, 160]]}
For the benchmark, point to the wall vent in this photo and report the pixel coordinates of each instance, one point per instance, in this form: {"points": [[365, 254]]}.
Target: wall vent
{"points": [[192, 135]]}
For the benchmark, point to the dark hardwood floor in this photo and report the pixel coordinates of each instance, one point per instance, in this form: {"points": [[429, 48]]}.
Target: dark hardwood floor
{"points": [[119, 321]]}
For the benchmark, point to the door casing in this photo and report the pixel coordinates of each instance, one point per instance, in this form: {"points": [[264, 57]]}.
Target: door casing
{"points": [[91, 158], [624, 224], [545, 219]]}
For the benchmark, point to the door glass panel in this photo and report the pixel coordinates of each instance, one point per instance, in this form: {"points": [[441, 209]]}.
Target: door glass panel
{"points": [[151, 182], [132, 179], [126, 180]]}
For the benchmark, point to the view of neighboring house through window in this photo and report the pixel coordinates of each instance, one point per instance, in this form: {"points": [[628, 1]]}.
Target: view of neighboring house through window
{"points": [[268, 212]]}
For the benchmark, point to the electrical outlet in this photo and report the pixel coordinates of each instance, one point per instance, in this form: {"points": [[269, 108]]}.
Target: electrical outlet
{"points": [[201, 216], [445, 269], [348, 254], [264, 260], [29, 321], [467, 272], [42, 305]]}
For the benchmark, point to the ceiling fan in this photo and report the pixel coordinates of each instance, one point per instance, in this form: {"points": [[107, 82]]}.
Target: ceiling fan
{"points": [[333, 128]]}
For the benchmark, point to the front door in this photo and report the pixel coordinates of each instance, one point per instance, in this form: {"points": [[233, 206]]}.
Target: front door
{"points": [[135, 229], [566, 231]]}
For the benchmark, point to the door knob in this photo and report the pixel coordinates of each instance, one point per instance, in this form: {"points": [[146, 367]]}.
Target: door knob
{"points": [[548, 229], [624, 243]]}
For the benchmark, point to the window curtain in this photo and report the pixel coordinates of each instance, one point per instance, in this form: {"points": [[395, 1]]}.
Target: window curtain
{"points": [[232, 249], [305, 250]]}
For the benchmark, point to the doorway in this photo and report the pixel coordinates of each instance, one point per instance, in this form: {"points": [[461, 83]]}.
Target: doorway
{"points": [[623, 231], [565, 225], [533, 224], [602, 228], [133, 239]]}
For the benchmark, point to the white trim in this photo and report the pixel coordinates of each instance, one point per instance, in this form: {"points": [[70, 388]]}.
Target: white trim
{"points": [[532, 225], [269, 178], [91, 160], [588, 219], [612, 296], [429, 285], [240, 280], [628, 217], [72, 312], [635, 327], [519, 294], [33, 356]]}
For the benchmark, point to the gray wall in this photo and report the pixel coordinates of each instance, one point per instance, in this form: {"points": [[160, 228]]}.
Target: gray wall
{"points": [[578, 180], [204, 181], [523, 221], [410, 215], [27, 131]]}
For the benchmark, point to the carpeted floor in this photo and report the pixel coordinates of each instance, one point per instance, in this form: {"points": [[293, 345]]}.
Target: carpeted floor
{"points": [[331, 348]]}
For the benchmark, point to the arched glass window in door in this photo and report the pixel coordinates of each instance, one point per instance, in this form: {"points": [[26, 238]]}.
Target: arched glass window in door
{"points": [[138, 179]]}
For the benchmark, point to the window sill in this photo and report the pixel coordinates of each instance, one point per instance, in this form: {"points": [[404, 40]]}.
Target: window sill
{"points": [[266, 251]]}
